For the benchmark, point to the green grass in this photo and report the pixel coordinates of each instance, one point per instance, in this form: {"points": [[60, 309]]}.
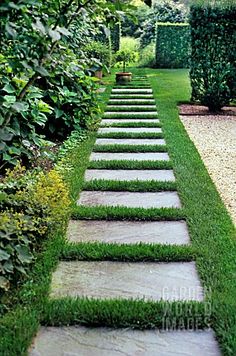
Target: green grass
{"points": [[123, 313], [124, 96], [129, 148], [130, 135], [133, 186], [95, 251], [131, 164], [131, 117], [134, 102], [127, 108], [124, 213], [132, 124]]}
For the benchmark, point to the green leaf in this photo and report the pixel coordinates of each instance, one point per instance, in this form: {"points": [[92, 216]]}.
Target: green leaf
{"points": [[42, 71], [63, 31], [20, 106], [5, 135], [58, 113], [39, 27], [8, 88], [55, 35], [10, 30], [3, 255], [10, 98], [23, 254]]}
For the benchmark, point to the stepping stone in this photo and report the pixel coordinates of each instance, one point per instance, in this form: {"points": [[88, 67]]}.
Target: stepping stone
{"points": [[130, 175], [130, 199], [132, 106], [128, 232], [129, 141], [136, 113], [84, 341], [112, 280], [115, 121], [129, 156], [130, 129], [131, 91]]}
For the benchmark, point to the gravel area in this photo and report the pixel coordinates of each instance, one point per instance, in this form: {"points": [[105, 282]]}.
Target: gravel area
{"points": [[215, 138]]}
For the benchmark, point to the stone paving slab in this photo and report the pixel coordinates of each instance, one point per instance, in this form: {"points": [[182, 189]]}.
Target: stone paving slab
{"points": [[130, 91], [125, 156], [130, 175], [130, 141], [143, 121], [136, 113], [129, 232], [111, 280], [131, 106], [130, 199], [130, 129], [82, 341]]}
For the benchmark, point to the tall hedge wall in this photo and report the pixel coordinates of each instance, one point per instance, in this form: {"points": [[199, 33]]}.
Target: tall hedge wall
{"points": [[172, 45], [213, 59], [115, 37]]}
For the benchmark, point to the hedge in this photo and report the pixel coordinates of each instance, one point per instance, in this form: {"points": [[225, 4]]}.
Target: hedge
{"points": [[115, 37], [172, 45], [213, 59]]}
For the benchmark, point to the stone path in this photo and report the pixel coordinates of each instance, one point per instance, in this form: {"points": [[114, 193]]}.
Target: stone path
{"points": [[172, 281]]}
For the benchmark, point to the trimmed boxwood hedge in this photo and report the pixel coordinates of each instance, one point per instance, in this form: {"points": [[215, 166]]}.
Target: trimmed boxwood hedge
{"points": [[213, 59], [115, 37], [172, 45]]}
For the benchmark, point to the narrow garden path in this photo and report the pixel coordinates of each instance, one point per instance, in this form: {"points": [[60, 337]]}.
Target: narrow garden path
{"points": [[130, 181]]}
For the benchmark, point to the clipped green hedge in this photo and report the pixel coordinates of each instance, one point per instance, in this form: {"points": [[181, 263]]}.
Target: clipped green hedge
{"points": [[115, 37], [213, 59], [172, 45]]}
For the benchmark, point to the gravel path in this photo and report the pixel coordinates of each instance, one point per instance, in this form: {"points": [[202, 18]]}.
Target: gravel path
{"points": [[215, 139]]}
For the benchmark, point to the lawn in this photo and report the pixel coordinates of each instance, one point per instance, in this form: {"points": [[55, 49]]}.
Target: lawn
{"points": [[211, 230]]}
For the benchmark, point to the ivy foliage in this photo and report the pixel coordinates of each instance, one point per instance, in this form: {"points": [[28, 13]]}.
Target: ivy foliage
{"points": [[172, 45], [46, 88], [213, 61]]}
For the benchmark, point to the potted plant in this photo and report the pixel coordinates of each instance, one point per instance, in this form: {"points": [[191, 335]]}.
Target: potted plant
{"points": [[126, 57], [100, 55]]}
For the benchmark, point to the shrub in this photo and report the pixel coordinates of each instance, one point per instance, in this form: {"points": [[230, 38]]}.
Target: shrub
{"points": [[115, 37], [147, 56], [213, 60], [101, 53], [31, 204], [172, 45]]}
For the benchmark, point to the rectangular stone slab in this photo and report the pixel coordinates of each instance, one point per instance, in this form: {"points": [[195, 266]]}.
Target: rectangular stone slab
{"points": [[130, 199], [130, 129], [130, 175], [84, 341], [129, 232], [145, 156], [130, 91], [130, 141], [112, 280], [142, 121], [136, 113]]}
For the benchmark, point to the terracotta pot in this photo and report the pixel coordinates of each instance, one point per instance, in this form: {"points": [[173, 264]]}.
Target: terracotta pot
{"points": [[123, 77], [98, 74]]}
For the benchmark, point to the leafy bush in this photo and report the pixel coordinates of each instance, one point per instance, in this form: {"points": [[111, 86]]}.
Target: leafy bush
{"points": [[213, 60], [147, 56], [100, 53], [129, 43], [125, 57], [172, 45], [162, 11], [31, 203]]}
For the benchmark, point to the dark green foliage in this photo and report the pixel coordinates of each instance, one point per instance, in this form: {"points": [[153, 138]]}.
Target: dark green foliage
{"points": [[115, 37], [172, 45], [213, 61], [101, 53]]}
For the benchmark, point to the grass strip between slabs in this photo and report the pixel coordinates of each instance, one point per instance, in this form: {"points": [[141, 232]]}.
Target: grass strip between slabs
{"points": [[125, 213], [130, 135], [128, 116], [133, 109], [136, 314], [133, 186], [132, 124], [102, 164], [141, 252], [129, 148]]}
